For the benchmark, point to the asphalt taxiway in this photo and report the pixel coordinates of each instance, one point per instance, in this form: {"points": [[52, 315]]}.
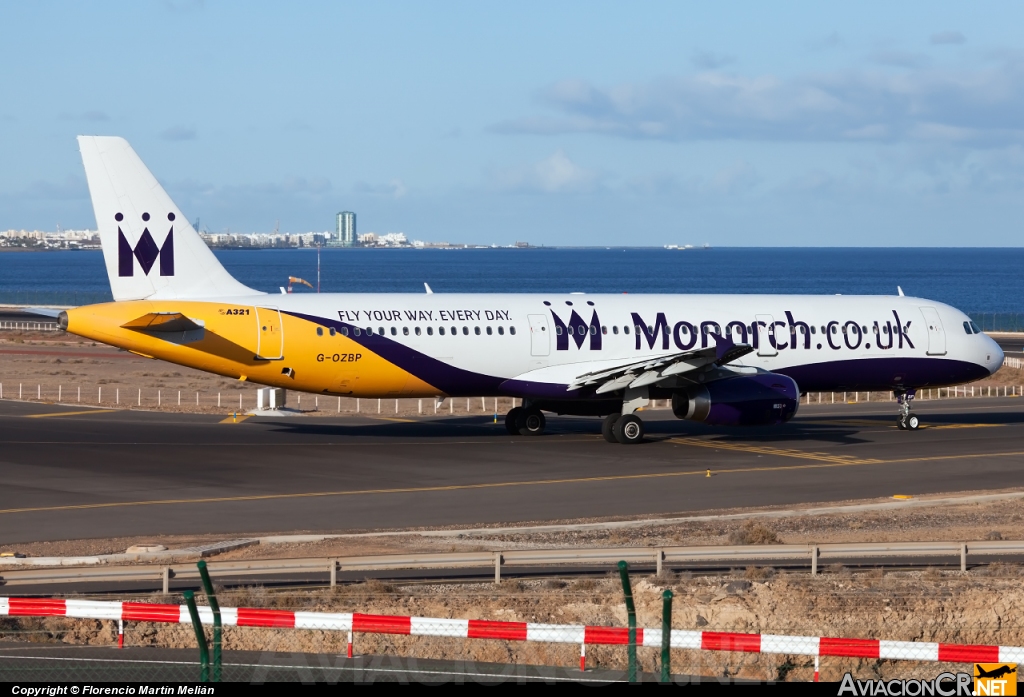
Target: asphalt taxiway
{"points": [[73, 473]]}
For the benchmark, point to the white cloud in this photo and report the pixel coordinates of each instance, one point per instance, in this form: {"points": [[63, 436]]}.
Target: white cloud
{"points": [[947, 37], [394, 188], [70, 188], [984, 104], [177, 133], [84, 116], [708, 60], [554, 174]]}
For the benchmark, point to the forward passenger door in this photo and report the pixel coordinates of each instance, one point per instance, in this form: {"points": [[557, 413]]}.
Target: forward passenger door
{"points": [[540, 337]]}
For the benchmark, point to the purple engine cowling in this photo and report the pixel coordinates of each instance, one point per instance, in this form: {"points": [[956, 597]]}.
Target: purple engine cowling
{"points": [[764, 399]]}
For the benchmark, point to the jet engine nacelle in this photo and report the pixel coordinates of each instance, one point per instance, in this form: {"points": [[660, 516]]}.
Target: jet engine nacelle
{"points": [[764, 399]]}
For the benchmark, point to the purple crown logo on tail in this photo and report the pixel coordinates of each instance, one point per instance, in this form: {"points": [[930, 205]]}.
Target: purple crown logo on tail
{"points": [[145, 250]]}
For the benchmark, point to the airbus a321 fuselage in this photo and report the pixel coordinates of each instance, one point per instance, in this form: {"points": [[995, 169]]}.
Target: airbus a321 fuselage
{"points": [[721, 359]]}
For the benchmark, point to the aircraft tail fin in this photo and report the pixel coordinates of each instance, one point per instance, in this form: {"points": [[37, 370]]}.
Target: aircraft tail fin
{"points": [[150, 249]]}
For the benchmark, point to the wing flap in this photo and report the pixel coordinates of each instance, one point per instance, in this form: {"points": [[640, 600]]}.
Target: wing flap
{"points": [[651, 371]]}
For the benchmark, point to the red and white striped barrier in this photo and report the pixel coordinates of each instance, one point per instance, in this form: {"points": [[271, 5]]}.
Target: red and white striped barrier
{"points": [[355, 622]]}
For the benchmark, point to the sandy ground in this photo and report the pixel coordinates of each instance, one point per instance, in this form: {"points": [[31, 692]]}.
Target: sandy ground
{"points": [[54, 366], [971, 521]]}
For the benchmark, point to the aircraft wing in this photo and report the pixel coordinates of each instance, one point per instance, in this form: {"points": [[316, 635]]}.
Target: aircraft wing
{"points": [[652, 370], [162, 322]]}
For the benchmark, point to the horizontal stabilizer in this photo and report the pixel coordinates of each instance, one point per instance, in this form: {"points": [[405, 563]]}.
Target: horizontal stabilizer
{"points": [[163, 322], [44, 311]]}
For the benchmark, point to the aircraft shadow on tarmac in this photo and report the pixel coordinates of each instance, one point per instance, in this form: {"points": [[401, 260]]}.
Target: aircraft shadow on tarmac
{"points": [[835, 429]]}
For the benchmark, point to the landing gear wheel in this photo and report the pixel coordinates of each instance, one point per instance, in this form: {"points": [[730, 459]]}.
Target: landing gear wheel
{"points": [[907, 420], [608, 427], [531, 422], [629, 429], [510, 420]]}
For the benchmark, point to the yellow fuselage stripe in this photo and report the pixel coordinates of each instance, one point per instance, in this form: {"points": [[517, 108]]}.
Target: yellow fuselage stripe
{"points": [[233, 335]]}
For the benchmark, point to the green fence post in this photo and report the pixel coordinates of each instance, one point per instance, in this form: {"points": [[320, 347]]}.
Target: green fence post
{"points": [[204, 652], [215, 606], [666, 636], [631, 613]]}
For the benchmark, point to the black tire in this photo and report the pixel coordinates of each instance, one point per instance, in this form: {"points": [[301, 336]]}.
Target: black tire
{"points": [[912, 423], [629, 429], [901, 423], [608, 428], [510, 420], [531, 422]]}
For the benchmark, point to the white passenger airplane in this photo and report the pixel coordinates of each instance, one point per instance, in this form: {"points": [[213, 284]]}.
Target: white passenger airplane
{"points": [[721, 359]]}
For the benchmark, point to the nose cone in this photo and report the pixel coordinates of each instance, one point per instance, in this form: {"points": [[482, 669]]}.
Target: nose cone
{"points": [[992, 355]]}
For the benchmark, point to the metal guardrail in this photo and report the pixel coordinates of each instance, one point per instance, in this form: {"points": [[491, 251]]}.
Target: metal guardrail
{"points": [[518, 557], [30, 326]]}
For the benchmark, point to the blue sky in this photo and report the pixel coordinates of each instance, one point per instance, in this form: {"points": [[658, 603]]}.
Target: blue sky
{"points": [[889, 124]]}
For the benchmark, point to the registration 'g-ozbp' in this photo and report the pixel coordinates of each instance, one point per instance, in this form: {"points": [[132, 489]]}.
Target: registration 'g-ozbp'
{"points": [[722, 359]]}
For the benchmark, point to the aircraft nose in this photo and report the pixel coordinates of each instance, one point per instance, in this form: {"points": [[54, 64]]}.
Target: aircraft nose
{"points": [[993, 355]]}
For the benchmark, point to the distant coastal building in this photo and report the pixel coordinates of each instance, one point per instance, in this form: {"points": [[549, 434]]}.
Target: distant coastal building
{"points": [[345, 235]]}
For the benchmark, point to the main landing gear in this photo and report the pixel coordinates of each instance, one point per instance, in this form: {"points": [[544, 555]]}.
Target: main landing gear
{"points": [[907, 420], [622, 428], [525, 421]]}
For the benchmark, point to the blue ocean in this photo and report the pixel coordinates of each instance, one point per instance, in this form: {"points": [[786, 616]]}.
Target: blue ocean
{"points": [[980, 281]]}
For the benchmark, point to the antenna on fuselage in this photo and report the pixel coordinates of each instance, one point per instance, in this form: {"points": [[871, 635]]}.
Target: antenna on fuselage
{"points": [[899, 290], [427, 286]]}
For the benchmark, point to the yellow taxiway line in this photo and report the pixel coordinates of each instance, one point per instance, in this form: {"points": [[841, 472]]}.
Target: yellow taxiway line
{"points": [[71, 413], [234, 419]]}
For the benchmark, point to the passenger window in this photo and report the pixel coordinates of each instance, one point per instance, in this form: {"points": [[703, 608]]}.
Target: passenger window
{"points": [[332, 331], [501, 331], [604, 329], [430, 331], [512, 330], [455, 330], [356, 331], [593, 331], [417, 331], [476, 330], [369, 331], [440, 331], [344, 331], [394, 331], [405, 331], [465, 330], [625, 330], [615, 329], [488, 331], [320, 330], [380, 330], [558, 330]]}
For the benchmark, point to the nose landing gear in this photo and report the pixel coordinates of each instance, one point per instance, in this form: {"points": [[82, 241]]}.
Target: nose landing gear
{"points": [[907, 420]]}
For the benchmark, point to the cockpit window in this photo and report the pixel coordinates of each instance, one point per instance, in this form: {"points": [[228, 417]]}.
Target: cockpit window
{"points": [[975, 328], [967, 328]]}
